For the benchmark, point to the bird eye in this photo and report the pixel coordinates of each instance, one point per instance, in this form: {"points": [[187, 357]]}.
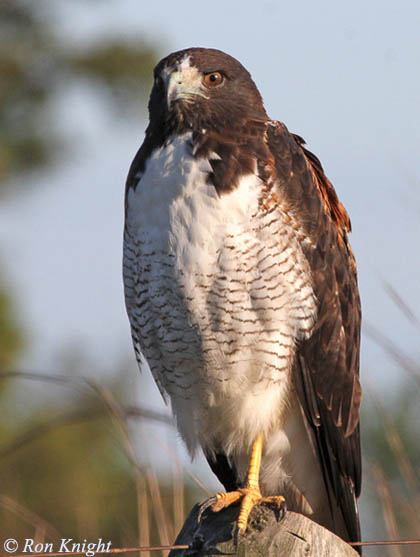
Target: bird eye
{"points": [[213, 79]]}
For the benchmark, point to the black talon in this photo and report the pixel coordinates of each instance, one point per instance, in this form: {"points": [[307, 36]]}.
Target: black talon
{"points": [[238, 533], [204, 506], [283, 510]]}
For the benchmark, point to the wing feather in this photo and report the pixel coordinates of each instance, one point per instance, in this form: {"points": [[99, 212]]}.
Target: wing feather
{"points": [[326, 366]]}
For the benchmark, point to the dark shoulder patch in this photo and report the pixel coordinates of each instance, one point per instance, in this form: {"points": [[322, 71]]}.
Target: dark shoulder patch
{"points": [[232, 154]]}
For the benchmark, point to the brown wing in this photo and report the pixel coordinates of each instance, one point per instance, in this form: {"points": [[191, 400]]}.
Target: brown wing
{"points": [[326, 366]]}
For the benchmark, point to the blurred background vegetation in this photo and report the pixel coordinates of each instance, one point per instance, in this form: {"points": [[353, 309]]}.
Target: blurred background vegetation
{"points": [[72, 464]]}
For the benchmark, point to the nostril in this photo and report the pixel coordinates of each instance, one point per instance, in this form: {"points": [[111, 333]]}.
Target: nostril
{"points": [[178, 78]]}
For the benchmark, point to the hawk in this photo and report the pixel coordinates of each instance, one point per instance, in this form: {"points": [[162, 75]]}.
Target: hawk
{"points": [[241, 291]]}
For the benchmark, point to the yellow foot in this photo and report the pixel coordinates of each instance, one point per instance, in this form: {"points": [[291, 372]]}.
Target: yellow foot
{"points": [[249, 496]]}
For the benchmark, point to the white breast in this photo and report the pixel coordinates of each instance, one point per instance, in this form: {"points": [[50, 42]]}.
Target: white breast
{"points": [[218, 292]]}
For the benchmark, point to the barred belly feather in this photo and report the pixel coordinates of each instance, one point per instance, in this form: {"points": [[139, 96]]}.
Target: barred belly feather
{"points": [[219, 293], [241, 291]]}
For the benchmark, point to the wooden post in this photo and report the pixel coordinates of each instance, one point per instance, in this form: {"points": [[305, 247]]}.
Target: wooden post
{"points": [[294, 535]]}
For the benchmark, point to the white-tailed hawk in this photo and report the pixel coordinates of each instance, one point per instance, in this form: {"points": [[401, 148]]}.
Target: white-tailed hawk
{"points": [[242, 295]]}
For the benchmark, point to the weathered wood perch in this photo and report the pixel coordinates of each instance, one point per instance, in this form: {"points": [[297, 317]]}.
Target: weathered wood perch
{"points": [[294, 535]]}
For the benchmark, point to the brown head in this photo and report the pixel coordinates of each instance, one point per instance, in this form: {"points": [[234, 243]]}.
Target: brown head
{"points": [[202, 88]]}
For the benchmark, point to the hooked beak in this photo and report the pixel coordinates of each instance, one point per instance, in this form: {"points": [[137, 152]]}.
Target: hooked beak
{"points": [[184, 84]]}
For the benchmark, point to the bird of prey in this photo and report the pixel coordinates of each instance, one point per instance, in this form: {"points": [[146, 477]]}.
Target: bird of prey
{"points": [[241, 291]]}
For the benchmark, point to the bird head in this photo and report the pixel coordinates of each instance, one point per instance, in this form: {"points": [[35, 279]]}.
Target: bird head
{"points": [[202, 88]]}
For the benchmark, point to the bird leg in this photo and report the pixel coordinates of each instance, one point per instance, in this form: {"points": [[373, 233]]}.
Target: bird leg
{"points": [[250, 494]]}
